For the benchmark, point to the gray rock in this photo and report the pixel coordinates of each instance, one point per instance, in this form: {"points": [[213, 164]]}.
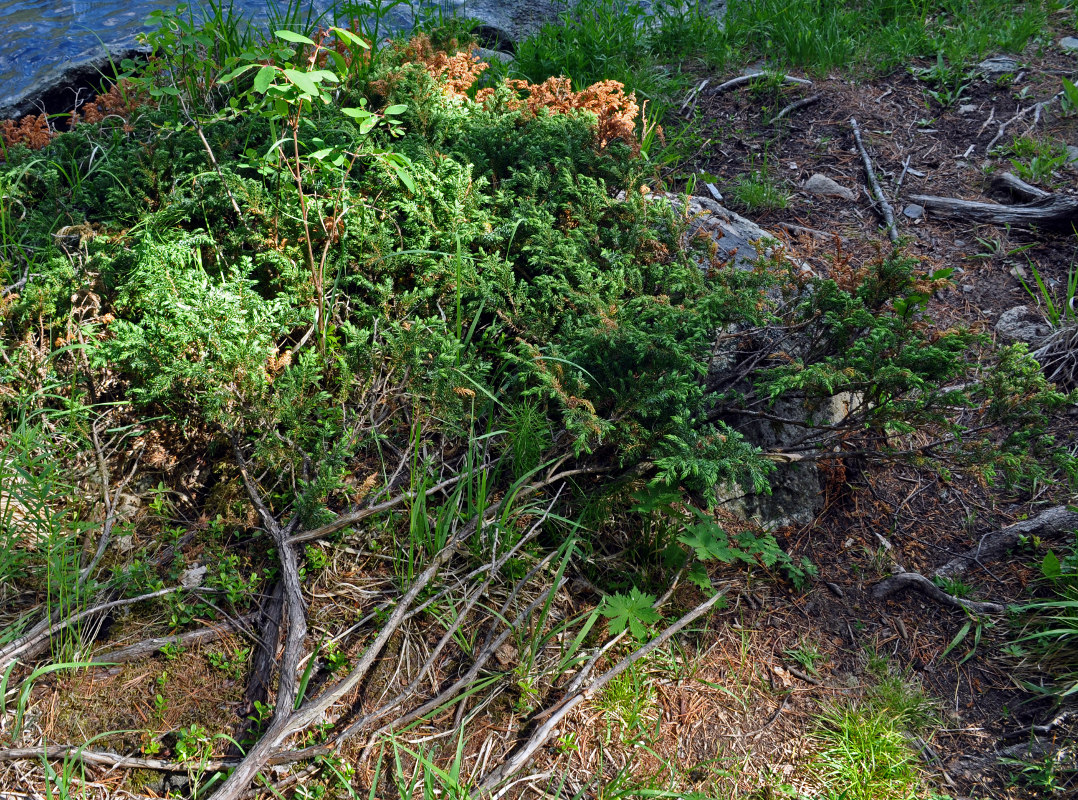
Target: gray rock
{"points": [[914, 211], [1072, 154], [486, 54], [740, 241], [998, 65], [796, 496], [516, 20], [1069, 43], [822, 185], [193, 577], [967, 108], [56, 88], [1023, 324]]}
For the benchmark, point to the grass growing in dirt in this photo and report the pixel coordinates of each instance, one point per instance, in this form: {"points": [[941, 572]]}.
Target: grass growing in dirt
{"points": [[401, 377]]}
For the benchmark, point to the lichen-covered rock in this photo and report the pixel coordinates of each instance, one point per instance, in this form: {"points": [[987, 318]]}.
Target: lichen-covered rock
{"points": [[1023, 324]]}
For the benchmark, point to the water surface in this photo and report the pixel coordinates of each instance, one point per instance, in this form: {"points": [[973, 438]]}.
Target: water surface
{"points": [[42, 38]]}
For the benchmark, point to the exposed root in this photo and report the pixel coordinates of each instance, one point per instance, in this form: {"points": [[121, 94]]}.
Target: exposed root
{"points": [[1058, 355], [915, 580], [1052, 522]]}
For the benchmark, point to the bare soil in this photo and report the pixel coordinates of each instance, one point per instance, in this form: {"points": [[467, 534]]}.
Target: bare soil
{"points": [[899, 516]]}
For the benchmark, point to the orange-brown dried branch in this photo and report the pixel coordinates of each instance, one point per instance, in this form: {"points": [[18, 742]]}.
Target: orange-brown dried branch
{"points": [[615, 111], [459, 71]]}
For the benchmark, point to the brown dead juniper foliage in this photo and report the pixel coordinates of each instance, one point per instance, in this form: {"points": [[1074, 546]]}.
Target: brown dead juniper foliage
{"points": [[33, 131], [120, 101], [615, 111]]}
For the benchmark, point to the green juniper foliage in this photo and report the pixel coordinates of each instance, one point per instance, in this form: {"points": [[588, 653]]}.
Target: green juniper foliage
{"points": [[332, 262]]}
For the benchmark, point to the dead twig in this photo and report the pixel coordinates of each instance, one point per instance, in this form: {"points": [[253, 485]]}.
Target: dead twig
{"points": [[796, 105], [886, 211], [41, 633], [690, 98], [148, 647], [743, 79], [103, 759], [1037, 108], [523, 754]]}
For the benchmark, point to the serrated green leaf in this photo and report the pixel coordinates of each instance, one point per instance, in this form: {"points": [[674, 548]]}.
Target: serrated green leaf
{"points": [[698, 576], [632, 610]]}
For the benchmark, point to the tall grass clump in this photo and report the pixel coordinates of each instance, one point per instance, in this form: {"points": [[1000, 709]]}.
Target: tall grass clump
{"points": [[877, 36], [648, 52]]}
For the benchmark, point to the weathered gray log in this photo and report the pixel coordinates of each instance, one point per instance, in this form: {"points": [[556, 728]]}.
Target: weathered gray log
{"points": [[1054, 521], [1051, 211]]}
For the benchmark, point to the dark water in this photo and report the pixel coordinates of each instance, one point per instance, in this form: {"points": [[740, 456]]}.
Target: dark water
{"points": [[42, 38]]}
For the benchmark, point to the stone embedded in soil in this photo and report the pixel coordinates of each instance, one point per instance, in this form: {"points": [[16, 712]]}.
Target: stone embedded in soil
{"points": [[1023, 324], [967, 108], [1072, 154], [1069, 43], [193, 577], [998, 65], [914, 211], [822, 185], [486, 54]]}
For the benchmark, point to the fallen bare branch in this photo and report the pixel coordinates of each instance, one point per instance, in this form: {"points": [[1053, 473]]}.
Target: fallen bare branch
{"points": [[44, 630], [796, 105], [886, 211], [148, 647], [524, 753], [1056, 211], [104, 759], [1037, 108], [742, 79]]}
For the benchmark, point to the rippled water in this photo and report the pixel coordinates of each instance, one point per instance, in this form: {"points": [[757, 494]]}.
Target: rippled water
{"points": [[39, 38]]}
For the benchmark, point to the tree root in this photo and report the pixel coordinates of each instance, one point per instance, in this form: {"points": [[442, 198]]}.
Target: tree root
{"points": [[915, 580], [1048, 523]]}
